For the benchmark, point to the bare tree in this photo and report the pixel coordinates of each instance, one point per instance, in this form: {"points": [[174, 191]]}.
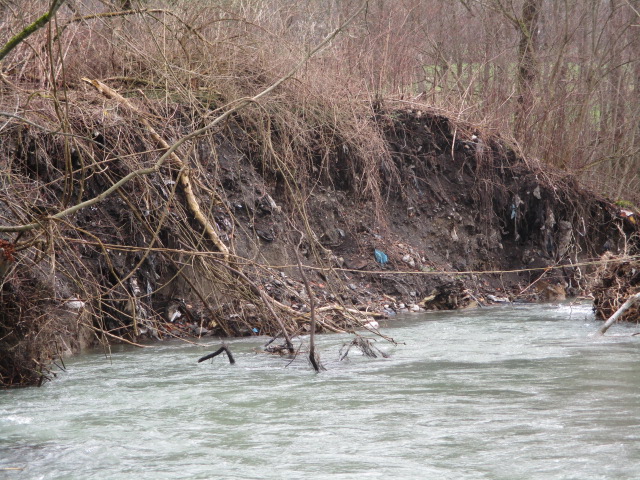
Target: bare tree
{"points": [[528, 27]]}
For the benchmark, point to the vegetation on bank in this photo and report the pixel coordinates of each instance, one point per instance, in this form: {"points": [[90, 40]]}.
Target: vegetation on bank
{"points": [[133, 132]]}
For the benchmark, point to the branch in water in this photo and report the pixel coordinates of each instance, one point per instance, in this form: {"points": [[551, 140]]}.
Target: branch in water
{"points": [[223, 348]]}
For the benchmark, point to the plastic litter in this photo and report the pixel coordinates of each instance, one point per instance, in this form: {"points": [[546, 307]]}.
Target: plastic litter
{"points": [[381, 257]]}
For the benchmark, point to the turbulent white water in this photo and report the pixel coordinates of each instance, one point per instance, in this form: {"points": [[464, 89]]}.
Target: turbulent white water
{"points": [[497, 393]]}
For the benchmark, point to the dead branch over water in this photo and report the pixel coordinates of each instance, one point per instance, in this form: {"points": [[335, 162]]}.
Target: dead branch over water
{"points": [[631, 301]]}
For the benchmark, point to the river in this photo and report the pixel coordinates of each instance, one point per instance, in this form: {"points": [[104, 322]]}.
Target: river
{"points": [[512, 392]]}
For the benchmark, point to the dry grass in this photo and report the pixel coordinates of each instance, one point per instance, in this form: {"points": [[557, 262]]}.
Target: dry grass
{"points": [[459, 57]]}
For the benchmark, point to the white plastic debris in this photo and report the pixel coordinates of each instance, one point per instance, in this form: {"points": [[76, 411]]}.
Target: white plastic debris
{"points": [[74, 304], [495, 299]]}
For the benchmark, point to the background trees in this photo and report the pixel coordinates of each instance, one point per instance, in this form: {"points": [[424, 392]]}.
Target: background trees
{"points": [[561, 77]]}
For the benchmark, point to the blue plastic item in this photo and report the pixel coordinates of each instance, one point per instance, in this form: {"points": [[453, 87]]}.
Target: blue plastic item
{"points": [[381, 257]]}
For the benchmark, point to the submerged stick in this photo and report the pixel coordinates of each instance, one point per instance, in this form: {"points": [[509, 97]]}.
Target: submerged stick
{"points": [[365, 345], [614, 318], [315, 363], [223, 348]]}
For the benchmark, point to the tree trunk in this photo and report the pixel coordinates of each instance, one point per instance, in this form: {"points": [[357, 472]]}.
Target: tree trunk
{"points": [[527, 68]]}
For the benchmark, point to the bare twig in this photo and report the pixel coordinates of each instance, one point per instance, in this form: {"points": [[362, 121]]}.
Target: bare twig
{"points": [[45, 129], [313, 358]]}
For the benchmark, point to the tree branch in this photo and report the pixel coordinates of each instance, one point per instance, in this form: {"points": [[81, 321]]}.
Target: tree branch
{"points": [[223, 348], [30, 29]]}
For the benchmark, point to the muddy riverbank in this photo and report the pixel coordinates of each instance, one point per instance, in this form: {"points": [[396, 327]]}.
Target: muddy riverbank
{"points": [[440, 215]]}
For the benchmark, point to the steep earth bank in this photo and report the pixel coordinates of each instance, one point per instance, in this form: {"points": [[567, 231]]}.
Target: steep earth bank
{"points": [[458, 219]]}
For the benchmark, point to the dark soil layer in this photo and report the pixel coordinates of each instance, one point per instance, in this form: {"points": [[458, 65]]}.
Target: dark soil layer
{"points": [[454, 204]]}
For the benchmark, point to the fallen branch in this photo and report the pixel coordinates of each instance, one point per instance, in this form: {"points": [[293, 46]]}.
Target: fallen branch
{"points": [[223, 348], [365, 345], [614, 318], [352, 311], [122, 339], [183, 177], [331, 327]]}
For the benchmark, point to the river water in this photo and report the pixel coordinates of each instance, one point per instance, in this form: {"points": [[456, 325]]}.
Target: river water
{"points": [[513, 392]]}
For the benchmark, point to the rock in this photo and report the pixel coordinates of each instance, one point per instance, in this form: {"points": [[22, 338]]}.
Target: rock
{"points": [[200, 331], [357, 264], [495, 299], [551, 292], [74, 304], [408, 259], [371, 325]]}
